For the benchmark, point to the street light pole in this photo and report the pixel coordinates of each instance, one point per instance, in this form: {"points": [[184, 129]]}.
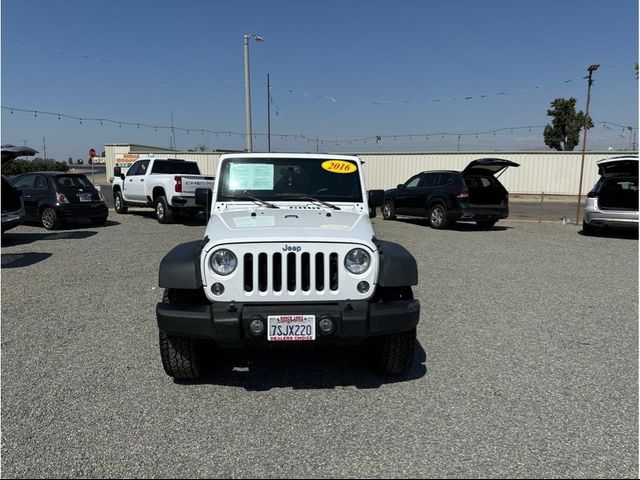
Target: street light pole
{"points": [[591, 69], [247, 90]]}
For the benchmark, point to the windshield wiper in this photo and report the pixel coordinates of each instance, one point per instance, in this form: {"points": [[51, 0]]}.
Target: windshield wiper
{"points": [[255, 199], [312, 199]]}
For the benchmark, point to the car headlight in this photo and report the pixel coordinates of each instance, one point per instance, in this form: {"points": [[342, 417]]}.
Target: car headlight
{"points": [[223, 261], [357, 261]]}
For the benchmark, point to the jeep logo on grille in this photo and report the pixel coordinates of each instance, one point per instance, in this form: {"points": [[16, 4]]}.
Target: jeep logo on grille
{"points": [[291, 248]]}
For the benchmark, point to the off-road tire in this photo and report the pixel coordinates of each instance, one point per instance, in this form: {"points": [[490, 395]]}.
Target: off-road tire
{"points": [[118, 203], [393, 354], [164, 213], [182, 357]]}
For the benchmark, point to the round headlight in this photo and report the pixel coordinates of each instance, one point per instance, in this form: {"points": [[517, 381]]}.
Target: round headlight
{"points": [[223, 261], [357, 261]]}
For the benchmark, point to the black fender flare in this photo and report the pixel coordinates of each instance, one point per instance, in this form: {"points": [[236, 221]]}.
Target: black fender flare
{"points": [[180, 268], [398, 268]]}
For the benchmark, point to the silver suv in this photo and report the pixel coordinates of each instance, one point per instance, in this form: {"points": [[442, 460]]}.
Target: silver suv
{"points": [[613, 201]]}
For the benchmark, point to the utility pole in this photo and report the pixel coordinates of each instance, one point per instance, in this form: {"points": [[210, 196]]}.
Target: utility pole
{"points": [[44, 147], [317, 144], [173, 133], [268, 114], [591, 69]]}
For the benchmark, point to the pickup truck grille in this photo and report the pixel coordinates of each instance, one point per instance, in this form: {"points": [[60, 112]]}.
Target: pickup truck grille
{"points": [[291, 272]]}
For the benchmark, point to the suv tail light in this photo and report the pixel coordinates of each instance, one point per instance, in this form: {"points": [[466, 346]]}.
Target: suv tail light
{"points": [[464, 193], [178, 180], [62, 198]]}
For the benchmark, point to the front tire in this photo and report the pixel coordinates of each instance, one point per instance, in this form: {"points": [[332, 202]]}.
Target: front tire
{"points": [[118, 203], [393, 354], [49, 219], [182, 357], [164, 213], [438, 216], [388, 210]]}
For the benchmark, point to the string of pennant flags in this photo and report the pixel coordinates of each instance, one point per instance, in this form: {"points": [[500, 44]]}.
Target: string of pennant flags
{"points": [[315, 139], [301, 93]]}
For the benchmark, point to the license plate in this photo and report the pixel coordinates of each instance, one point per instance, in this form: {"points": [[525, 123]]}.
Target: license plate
{"points": [[291, 328], [85, 197]]}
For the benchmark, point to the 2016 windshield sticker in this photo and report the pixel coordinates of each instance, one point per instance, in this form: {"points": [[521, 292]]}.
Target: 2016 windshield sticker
{"points": [[251, 176], [339, 166]]}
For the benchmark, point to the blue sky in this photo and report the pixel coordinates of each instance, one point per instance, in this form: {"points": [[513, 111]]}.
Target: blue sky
{"points": [[339, 70]]}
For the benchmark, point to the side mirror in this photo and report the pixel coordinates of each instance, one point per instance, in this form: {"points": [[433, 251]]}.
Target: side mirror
{"points": [[400, 186], [117, 171], [203, 197], [122, 176]]}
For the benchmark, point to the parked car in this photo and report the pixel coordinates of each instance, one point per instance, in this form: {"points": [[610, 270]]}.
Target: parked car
{"points": [[52, 198], [167, 185], [613, 201], [446, 196], [289, 256], [13, 213]]}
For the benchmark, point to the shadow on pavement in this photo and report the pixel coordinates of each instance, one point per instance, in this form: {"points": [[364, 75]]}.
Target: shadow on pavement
{"points": [[457, 226], [187, 220], [18, 260], [12, 239], [304, 369], [623, 234]]}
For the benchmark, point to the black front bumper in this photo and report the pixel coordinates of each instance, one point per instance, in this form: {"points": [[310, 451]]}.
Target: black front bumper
{"points": [[228, 324]]}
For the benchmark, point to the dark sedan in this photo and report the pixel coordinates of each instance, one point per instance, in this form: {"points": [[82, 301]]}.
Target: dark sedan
{"points": [[52, 198]]}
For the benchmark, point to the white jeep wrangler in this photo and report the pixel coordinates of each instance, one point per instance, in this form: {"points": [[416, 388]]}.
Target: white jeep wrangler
{"points": [[289, 255]]}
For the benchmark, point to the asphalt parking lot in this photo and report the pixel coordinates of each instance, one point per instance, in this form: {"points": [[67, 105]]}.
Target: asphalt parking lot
{"points": [[527, 365]]}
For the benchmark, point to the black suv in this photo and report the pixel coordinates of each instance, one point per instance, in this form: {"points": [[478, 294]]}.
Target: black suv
{"points": [[475, 194]]}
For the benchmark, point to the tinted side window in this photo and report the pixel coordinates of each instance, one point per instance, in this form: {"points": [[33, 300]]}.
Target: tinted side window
{"points": [[446, 180], [40, 183], [143, 167], [430, 180], [134, 169], [24, 182]]}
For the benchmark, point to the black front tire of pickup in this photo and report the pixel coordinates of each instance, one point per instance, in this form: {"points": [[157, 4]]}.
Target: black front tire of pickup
{"points": [[164, 213], [118, 203], [393, 354], [182, 357]]}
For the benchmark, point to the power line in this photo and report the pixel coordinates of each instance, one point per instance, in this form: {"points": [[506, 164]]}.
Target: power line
{"points": [[315, 139]]}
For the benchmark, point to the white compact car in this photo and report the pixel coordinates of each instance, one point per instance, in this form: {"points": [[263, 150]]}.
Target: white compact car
{"points": [[289, 256]]}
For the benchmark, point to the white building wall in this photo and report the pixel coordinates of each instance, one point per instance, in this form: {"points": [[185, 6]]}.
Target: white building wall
{"points": [[554, 173]]}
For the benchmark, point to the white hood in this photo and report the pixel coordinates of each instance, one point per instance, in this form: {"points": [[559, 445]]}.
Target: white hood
{"points": [[301, 224]]}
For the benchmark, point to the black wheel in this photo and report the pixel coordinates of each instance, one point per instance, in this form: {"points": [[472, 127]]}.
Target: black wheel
{"points": [[164, 213], [49, 218], [118, 203], [182, 357], [438, 216], [100, 221], [388, 210], [393, 354], [486, 223]]}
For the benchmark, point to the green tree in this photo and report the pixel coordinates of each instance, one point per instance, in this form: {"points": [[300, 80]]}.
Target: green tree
{"points": [[563, 133]]}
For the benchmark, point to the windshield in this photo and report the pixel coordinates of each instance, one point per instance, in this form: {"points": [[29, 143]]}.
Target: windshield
{"points": [[175, 166], [276, 179]]}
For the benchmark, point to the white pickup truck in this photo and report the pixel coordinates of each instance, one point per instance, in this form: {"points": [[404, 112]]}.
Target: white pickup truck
{"points": [[167, 185]]}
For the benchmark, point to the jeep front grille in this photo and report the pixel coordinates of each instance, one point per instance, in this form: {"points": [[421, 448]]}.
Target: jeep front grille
{"points": [[291, 271]]}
